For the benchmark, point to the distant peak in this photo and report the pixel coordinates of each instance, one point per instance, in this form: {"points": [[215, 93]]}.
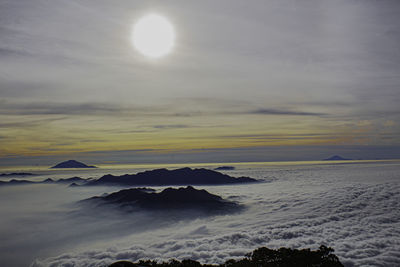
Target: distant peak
{"points": [[224, 168], [72, 164], [336, 157]]}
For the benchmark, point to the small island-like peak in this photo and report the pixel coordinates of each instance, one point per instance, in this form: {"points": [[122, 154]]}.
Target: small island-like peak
{"points": [[72, 164], [168, 199], [336, 157], [225, 168]]}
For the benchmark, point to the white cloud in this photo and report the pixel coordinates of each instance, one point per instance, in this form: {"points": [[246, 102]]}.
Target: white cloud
{"points": [[350, 210]]}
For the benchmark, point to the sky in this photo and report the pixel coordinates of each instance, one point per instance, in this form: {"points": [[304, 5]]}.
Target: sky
{"points": [[270, 80]]}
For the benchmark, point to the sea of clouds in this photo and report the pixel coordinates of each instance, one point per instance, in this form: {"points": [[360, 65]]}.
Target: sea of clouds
{"points": [[354, 208]]}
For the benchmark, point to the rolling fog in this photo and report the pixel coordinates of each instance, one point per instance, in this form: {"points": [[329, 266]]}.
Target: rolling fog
{"points": [[354, 208]]}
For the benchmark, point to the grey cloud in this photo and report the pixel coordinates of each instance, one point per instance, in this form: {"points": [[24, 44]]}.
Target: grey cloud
{"points": [[7, 52], [56, 108], [129, 131], [324, 103], [127, 152], [312, 136], [189, 114], [28, 123], [307, 53], [171, 126], [284, 112], [52, 108], [91, 108], [91, 141]]}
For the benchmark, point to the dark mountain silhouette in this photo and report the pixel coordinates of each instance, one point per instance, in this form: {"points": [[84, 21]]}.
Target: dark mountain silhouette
{"points": [[336, 157], [261, 257], [71, 164], [16, 182], [225, 168], [76, 180], [183, 176], [168, 199], [16, 174]]}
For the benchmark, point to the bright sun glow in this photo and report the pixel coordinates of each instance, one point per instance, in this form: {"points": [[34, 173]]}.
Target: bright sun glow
{"points": [[153, 36]]}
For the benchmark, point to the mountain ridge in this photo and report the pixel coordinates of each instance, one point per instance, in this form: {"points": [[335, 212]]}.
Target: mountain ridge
{"points": [[182, 176]]}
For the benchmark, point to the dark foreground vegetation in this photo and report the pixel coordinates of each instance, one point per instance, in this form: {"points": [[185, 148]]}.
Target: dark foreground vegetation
{"points": [[261, 257]]}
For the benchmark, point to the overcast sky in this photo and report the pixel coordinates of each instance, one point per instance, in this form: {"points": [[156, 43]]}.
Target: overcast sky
{"points": [[242, 76]]}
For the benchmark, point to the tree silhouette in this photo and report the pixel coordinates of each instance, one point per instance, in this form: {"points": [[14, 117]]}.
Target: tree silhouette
{"points": [[261, 257]]}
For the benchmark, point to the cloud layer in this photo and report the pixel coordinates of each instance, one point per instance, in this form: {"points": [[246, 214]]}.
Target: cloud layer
{"points": [[354, 208]]}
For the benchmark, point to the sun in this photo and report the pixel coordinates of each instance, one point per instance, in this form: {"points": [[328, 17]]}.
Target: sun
{"points": [[153, 36]]}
